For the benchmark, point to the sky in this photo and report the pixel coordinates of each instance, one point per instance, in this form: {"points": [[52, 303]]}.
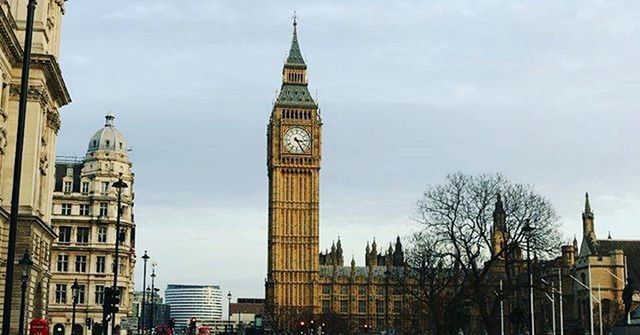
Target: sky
{"points": [[545, 92]]}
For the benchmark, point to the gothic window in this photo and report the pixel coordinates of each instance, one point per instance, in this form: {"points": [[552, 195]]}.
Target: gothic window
{"points": [[81, 264], [344, 306], [326, 306], [380, 306], [362, 306], [61, 293], [380, 290], [362, 290], [397, 306], [102, 234], [64, 234], [344, 289], [100, 264], [326, 289], [99, 294], [82, 235], [63, 263], [66, 209]]}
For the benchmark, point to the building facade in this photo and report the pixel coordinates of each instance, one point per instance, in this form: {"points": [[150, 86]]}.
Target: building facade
{"points": [[84, 214], [47, 94], [303, 283], [203, 302]]}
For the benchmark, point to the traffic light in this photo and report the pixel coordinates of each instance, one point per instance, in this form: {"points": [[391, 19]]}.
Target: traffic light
{"points": [[111, 301], [192, 326]]}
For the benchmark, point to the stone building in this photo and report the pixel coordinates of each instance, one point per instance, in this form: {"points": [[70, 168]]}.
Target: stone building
{"points": [[603, 264], [84, 219], [303, 283], [46, 95]]}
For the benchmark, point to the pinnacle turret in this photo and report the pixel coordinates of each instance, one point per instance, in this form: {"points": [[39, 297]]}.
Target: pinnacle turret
{"points": [[295, 56]]}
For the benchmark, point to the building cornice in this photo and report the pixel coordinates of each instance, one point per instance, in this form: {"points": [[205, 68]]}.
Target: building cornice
{"points": [[47, 63]]}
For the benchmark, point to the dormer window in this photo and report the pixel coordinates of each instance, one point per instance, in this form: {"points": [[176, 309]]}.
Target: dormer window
{"points": [[120, 145], [67, 186], [108, 143], [95, 143]]}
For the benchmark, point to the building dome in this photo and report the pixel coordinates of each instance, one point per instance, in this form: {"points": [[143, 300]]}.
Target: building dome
{"points": [[108, 138]]}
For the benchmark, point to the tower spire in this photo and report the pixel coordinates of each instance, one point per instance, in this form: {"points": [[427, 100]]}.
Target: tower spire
{"points": [[587, 205], [295, 56]]}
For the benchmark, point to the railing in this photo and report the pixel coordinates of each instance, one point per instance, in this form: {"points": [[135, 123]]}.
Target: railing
{"points": [[69, 160]]}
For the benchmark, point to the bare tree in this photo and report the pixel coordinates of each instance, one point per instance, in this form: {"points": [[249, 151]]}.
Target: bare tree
{"points": [[455, 220]]}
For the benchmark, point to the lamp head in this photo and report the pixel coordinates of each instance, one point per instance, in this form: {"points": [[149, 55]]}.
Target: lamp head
{"points": [[25, 263]]}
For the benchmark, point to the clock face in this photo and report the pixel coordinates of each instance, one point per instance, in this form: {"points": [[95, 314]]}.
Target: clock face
{"points": [[296, 140]]}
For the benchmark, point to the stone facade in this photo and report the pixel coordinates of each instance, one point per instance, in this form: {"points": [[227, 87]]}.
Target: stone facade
{"points": [[47, 94], [84, 218]]}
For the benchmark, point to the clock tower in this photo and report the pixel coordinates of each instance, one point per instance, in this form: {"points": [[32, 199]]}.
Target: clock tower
{"points": [[293, 163]]}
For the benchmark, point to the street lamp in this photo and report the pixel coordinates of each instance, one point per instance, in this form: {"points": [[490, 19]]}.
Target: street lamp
{"points": [[141, 325], [25, 265], [229, 316], [153, 300], [17, 169], [75, 289], [527, 229], [147, 320], [120, 184]]}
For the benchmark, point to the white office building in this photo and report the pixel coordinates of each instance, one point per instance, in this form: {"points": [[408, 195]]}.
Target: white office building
{"points": [[203, 302]]}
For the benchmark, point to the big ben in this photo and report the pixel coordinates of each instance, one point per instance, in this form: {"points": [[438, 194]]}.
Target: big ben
{"points": [[293, 162]]}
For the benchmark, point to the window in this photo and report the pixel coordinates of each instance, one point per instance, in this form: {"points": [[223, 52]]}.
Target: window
{"points": [[66, 209], [326, 289], [81, 294], [326, 306], [63, 263], [380, 306], [344, 289], [61, 293], [344, 306], [82, 235], [362, 306], [123, 235], [397, 306], [102, 234], [85, 187], [362, 290], [380, 290], [103, 209], [81, 263], [122, 265], [64, 234], [84, 210], [67, 186], [99, 294], [100, 264], [105, 186]]}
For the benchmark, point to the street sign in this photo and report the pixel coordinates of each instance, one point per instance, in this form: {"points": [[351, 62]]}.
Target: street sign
{"points": [[129, 323]]}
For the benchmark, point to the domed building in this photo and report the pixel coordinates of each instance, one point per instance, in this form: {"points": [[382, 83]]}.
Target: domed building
{"points": [[84, 216]]}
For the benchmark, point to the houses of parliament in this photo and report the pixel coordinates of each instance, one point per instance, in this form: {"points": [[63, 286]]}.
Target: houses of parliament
{"points": [[303, 282]]}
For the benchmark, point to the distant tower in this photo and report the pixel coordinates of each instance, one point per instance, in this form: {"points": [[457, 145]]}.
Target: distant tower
{"points": [[293, 164], [587, 218], [499, 234]]}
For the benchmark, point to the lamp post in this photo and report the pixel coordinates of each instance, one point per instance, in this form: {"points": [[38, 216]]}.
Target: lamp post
{"points": [[527, 229], [153, 300], [229, 314], [17, 170], [75, 289], [147, 320], [25, 264], [141, 324], [120, 184]]}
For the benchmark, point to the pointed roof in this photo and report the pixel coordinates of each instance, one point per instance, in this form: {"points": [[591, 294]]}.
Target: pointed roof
{"points": [[295, 56], [587, 206]]}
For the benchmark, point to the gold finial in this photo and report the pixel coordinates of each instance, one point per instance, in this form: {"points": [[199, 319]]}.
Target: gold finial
{"points": [[295, 18]]}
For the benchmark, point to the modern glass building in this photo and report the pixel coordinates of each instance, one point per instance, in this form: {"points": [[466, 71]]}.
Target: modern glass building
{"points": [[203, 302]]}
